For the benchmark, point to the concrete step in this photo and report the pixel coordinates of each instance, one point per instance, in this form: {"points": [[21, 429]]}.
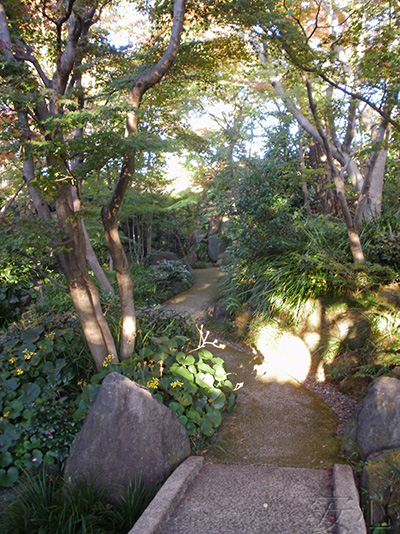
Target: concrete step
{"points": [[208, 498]]}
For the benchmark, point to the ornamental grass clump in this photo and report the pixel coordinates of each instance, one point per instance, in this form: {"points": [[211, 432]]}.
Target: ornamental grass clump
{"points": [[44, 504]]}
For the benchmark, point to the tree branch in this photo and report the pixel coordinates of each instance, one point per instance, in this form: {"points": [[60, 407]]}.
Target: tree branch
{"points": [[43, 273], [10, 202]]}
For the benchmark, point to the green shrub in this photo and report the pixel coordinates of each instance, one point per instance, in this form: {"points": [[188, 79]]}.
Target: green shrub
{"points": [[158, 283], [314, 262], [155, 321], [47, 384], [381, 241], [41, 370], [194, 384]]}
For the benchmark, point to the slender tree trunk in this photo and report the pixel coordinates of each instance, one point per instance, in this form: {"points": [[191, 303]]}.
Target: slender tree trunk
{"points": [[84, 293], [110, 212], [91, 257], [304, 187], [338, 177], [94, 264], [373, 206]]}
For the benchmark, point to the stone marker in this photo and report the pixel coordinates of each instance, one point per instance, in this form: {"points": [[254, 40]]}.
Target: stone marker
{"points": [[126, 434]]}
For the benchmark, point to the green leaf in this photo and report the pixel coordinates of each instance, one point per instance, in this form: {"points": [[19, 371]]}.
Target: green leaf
{"points": [[176, 407], [5, 459], [230, 401], [14, 408], [183, 419], [5, 442], [205, 368], [32, 334], [9, 477], [179, 370], [185, 399], [193, 415], [190, 428], [49, 458], [205, 380], [37, 456], [11, 384], [184, 359], [214, 417], [205, 354], [32, 391], [206, 427], [219, 400]]}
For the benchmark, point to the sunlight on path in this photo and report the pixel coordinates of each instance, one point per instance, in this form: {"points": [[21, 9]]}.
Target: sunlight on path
{"points": [[277, 420]]}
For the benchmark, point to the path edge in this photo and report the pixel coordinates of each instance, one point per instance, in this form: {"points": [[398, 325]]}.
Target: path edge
{"points": [[168, 496], [349, 516]]}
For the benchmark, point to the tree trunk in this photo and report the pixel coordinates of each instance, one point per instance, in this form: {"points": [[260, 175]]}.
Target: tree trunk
{"points": [[355, 246], [125, 283], [84, 293], [373, 206], [304, 187], [110, 211], [94, 264]]}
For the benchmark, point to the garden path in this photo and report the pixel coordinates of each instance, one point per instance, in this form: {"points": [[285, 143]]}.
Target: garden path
{"points": [[260, 474], [277, 420]]}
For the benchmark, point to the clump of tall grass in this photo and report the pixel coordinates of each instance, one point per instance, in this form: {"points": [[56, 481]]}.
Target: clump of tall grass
{"points": [[312, 262], [43, 504]]}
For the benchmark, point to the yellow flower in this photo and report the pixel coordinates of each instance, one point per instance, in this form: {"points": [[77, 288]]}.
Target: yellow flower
{"points": [[153, 383], [20, 372], [176, 384], [6, 414], [107, 360], [28, 355], [50, 336], [13, 360]]}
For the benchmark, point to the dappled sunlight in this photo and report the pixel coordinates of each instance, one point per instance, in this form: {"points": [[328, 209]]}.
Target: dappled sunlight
{"points": [[267, 373], [284, 351]]}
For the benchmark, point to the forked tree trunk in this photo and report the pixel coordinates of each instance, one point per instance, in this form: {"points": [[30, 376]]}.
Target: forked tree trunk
{"points": [[84, 293]]}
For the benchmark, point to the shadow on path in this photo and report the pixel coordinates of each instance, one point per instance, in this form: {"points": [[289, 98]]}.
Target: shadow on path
{"points": [[277, 421]]}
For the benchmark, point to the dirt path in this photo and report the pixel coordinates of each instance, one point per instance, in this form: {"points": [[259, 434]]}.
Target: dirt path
{"points": [[277, 421]]}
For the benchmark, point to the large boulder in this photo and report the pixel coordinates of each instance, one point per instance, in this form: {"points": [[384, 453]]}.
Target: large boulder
{"points": [[127, 434], [375, 425]]}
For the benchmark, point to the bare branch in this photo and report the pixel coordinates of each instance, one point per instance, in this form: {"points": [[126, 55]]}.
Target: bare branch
{"points": [[10, 202], [31, 59]]}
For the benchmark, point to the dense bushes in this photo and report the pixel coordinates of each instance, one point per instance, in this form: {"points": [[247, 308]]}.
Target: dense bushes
{"points": [[48, 383], [157, 283]]}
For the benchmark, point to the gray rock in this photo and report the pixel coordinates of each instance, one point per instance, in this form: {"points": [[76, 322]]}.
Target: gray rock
{"points": [[380, 488], [215, 247], [164, 256], [376, 423], [128, 433]]}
